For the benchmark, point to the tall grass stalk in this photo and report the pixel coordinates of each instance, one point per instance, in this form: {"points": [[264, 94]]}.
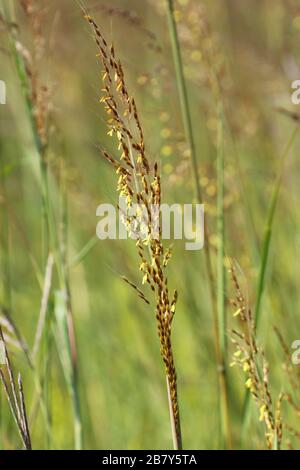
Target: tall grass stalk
{"points": [[48, 225], [187, 121], [5, 268], [5, 245], [40, 149], [221, 297], [49, 233], [70, 340], [183, 96], [139, 181], [264, 261], [221, 233]]}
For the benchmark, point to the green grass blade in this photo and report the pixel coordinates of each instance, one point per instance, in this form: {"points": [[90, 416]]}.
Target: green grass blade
{"points": [[269, 229], [187, 121], [264, 262], [84, 252], [65, 322]]}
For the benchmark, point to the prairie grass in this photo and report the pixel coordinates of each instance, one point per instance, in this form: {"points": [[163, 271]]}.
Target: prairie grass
{"points": [[139, 182], [211, 122]]}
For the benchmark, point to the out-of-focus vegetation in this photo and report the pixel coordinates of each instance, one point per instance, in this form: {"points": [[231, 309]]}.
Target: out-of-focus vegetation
{"points": [[104, 386]]}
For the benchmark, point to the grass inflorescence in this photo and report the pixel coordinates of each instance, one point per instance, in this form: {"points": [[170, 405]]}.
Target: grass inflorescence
{"points": [[140, 183]]}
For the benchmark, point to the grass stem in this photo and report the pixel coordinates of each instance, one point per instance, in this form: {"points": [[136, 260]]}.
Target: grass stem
{"points": [[221, 300], [187, 121]]}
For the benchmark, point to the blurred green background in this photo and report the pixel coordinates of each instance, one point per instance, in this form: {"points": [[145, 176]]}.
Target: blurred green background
{"points": [[253, 46]]}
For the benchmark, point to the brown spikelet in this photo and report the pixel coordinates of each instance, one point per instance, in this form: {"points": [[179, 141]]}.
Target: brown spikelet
{"points": [[251, 358]]}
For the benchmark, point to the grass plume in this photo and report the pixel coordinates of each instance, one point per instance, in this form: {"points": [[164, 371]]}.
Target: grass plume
{"points": [[140, 183]]}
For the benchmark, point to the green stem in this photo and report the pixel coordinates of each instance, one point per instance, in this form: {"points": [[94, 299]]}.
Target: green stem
{"points": [[183, 96], [5, 267], [221, 300], [187, 122], [40, 148], [77, 419], [221, 250]]}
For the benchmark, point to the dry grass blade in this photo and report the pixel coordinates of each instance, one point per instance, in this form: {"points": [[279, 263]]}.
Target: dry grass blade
{"points": [[44, 306], [6, 322], [23, 413], [15, 398]]}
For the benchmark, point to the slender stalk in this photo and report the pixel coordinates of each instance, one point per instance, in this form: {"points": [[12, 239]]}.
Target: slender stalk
{"points": [[78, 438], [40, 147], [221, 300], [221, 250], [183, 95], [44, 307], [5, 247], [23, 413], [187, 122], [175, 424], [5, 268], [49, 238]]}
